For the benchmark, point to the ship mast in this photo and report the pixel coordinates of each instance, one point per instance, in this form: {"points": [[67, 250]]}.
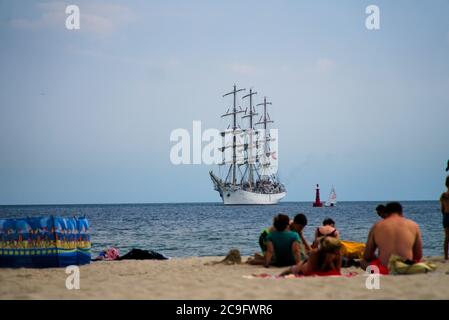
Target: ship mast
{"points": [[265, 119], [234, 128], [250, 115]]}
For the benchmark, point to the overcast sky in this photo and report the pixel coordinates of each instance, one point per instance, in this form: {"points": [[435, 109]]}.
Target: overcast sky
{"points": [[86, 115]]}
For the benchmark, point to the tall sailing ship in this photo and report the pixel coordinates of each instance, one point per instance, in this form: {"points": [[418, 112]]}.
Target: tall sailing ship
{"points": [[250, 176]]}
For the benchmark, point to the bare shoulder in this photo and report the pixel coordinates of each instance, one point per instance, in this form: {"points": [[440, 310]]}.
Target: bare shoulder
{"points": [[375, 227], [379, 224], [412, 224]]}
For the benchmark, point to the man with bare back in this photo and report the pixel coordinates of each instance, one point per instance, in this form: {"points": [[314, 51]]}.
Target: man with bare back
{"points": [[392, 235]]}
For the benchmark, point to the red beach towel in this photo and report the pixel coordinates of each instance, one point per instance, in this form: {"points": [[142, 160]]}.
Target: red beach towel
{"points": [[382, 269], [332, 273]]}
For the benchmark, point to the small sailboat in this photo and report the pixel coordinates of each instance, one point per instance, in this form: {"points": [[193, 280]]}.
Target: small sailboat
{"points": [[332, 201]]}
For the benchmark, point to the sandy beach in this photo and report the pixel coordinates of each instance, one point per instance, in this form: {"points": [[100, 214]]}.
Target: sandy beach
{"points": [[191, 278]]}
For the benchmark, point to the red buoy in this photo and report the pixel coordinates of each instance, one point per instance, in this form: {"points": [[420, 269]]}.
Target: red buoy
{"points": [[317, 202]]}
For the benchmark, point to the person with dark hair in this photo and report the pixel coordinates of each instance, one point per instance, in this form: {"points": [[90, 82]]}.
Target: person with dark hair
{"points": [[393, 207], [281, 222], [444, 200], [394, 235], [298, 225], [283, 245], [300, 219], [380, 209], [326, 230]]}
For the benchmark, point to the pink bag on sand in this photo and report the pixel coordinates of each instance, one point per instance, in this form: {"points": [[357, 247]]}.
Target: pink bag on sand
{"points": [[112, 254], [109, 254]]}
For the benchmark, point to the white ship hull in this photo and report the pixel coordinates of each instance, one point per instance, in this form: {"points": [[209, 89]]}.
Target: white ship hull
{"points": [[245, 197]]}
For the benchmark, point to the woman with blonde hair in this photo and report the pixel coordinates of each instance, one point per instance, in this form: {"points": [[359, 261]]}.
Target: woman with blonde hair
{"points": [[325, 260]]}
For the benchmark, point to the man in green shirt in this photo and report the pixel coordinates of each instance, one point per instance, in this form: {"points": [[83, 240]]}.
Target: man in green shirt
{"points": [[283, 245]]}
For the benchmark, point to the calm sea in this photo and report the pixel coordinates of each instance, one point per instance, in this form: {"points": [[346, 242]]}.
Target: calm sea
{"points": [[204, 229]]}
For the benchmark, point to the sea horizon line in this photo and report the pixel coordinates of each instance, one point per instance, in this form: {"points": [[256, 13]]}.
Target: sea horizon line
{"points": [[188, 203]]}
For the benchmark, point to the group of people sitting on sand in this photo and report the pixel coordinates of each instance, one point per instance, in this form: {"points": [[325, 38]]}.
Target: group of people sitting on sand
{"points": [[284, 244]]}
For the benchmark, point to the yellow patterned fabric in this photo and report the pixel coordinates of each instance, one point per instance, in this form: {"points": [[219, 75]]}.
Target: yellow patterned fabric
{"points": [[352, 250], [398, 265]]}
